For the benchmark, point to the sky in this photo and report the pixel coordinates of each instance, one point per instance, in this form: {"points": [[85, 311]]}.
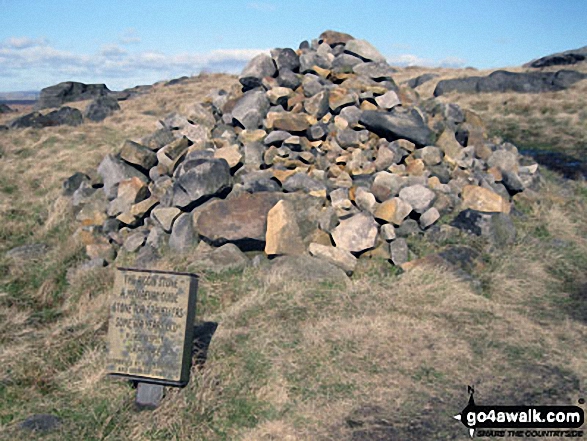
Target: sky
{"points": [[125, 43]]}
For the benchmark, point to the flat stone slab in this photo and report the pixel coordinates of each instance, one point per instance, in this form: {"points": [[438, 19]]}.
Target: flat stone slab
{"points": [[149, 396]]}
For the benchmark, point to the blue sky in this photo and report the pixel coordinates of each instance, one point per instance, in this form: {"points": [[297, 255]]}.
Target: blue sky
{"points": [[124, 43]]}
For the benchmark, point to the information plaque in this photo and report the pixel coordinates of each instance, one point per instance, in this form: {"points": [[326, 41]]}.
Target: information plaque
{"points": [[151, 326]]}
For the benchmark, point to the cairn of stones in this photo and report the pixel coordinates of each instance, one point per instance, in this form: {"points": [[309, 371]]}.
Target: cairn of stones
{"points": [[317, 152]]}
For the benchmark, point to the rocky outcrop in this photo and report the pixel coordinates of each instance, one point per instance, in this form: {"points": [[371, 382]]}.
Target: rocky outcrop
{"points": [[64, 116], [69, 91], [565, 58], [502, 81]]}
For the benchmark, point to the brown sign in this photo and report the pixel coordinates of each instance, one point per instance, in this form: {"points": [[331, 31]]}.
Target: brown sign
{"points": [[151, 325]]}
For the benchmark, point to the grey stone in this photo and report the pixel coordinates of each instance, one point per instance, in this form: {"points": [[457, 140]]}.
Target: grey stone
{"points": [[429, 217], [345, 62], [311, 85], [156, 238], [287, 59], [398, 249], [227, 257], [158, 139], [364, 50], [276, 137], [418, 196], [204, 179], [317, 105], [395, 125], [376, 71], [503, 81], [356, 234], [69, 91], [409, 227], [302, 182], [337, 256], [101, 108], [420, 79], [258, 68], [287, 78], [113, 170], [182, 235], [387, 232], [251, 109], [431, 155], [348, 138], [388, 100], [134, 241], [149, 396], [565, 58], [386, 185], [316, 132], [304, 269], [512, 182], [351, 114], [71, 184]]}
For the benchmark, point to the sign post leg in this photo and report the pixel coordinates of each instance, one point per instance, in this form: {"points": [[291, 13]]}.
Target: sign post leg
{"points": [[149, 396]]}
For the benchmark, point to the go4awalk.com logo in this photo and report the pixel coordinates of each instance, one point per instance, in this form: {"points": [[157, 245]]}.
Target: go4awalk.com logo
{"points": [[522, 421]]}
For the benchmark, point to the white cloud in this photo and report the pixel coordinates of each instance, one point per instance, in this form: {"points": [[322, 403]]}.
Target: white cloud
{"points": [[24, 42], [33, 66], [415, 60], [261, 6]]}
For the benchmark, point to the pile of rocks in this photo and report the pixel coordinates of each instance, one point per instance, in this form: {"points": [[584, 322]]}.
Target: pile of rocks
{"points": [[318, 153]]}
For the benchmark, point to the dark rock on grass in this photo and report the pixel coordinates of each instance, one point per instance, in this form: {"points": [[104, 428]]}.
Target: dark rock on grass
{"points": [[5, 108], [101, 108], [71, 184], [3, 128], [59, 94], [175, 81], [227, 257], [304, 269], [421, 79], [565, 58], [395, 125], [28, 252], [36, 120], [502, 81], [40, 423], [497, 228]]}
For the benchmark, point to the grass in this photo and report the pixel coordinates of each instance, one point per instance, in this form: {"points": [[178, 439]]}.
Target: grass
{"points": [[289, 360]]}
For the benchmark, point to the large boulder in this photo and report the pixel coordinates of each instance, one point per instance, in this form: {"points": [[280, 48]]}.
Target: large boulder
{"points": [[59, 94], [201, 179], [101, 108], [241, 220], [66, 115], [565, 58], [304, 269], [398, 125]]}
